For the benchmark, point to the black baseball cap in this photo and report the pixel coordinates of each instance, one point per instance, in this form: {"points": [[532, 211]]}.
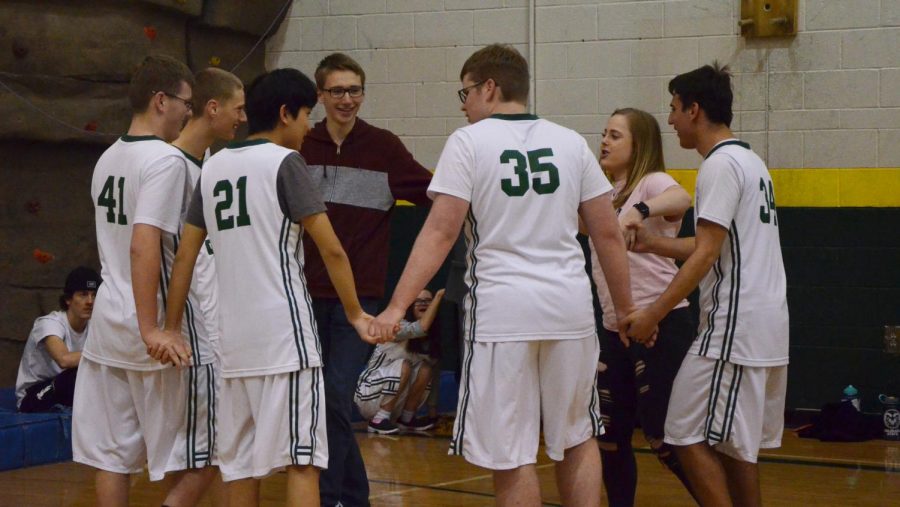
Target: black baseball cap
{"points": [[82, 278]]}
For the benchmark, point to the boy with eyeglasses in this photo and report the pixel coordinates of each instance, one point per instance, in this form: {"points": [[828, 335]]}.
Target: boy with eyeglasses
{"points": [[520, 184], [361, 171], [128, 406]]}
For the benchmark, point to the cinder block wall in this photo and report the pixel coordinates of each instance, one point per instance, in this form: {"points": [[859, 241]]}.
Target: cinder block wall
{"points": [[829, 97], [826, 98]]}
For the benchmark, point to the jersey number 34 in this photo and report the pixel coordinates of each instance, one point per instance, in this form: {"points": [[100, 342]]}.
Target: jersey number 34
{"points": [[767, 213]]}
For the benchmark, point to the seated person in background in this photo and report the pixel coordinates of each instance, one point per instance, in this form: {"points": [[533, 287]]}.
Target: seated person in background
{"points": [[430, 348], [50, 360], [395, 382]]}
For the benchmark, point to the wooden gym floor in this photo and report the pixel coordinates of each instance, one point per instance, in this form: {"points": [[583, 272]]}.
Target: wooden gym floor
{"points": [[414, 470]]}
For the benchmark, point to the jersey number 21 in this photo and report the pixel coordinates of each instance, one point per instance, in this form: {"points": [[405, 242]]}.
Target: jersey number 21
{"points": [[227, 190]]}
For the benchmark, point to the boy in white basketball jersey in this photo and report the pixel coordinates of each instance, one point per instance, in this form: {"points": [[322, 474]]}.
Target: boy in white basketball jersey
{"points": [[124, 398], [218, 105], [256, 199], [728, 398], [520, 184]]}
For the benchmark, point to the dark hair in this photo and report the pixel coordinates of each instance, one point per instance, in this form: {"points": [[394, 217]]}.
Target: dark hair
{"points": [[430, 344], [710, 87], [157, 73], [212, 83], [280, 87], [80, 278], [502, 63], [337, 61]]}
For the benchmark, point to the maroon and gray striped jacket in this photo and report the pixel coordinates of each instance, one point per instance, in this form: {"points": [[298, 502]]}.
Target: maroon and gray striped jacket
{"points": [[360, 182]]}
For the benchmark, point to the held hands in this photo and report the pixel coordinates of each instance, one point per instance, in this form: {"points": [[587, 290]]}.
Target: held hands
{"points": [[641, 326], [362, 323], [168, 347], [386, 325]]}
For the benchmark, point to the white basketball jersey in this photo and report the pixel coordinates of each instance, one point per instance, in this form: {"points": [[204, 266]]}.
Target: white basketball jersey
{"points": [[743, 303], [139, 179], [200, 323], [266, 317], [524, 178]]}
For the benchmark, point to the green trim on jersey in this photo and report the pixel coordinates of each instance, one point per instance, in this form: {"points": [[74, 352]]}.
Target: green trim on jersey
{"points": [[190, 439], [514, 117], [293, 307], [714, 401], [734, 242], [196, 161], [190, 317], [249, 142], [742, 144], [456, 445], [131, 139]]}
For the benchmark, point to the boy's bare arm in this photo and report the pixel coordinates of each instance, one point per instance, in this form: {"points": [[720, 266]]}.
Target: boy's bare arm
{"points": [[437, 236], [145, 272], [339, 271]]}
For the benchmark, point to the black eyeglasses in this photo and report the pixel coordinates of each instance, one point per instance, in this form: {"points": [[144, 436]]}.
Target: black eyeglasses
{"points": [[337, 92], [187, 102], [463, 94], [422, 301]]}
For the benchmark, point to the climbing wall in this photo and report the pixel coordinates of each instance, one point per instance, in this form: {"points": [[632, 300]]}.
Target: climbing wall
{"points": [[64, 70]]}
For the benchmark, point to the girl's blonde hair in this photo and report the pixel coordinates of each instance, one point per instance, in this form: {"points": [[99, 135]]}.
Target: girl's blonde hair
{"points": [[646, 150]]}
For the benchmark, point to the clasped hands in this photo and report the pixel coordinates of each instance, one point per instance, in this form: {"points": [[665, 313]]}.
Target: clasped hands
{"points": [[386, 325], [168, 347]]}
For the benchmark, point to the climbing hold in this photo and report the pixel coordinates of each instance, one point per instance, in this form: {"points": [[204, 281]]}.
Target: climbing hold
{"points": [[42, 256]]}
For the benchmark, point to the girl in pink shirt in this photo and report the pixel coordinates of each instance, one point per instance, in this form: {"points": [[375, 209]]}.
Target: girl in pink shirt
{"points": [[635, 381]]}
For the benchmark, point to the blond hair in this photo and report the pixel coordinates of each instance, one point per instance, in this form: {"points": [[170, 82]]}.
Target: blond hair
{"points": [[646, 150], [213, 84]]}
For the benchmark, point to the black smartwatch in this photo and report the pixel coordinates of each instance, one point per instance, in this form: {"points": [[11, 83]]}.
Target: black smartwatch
{"points": [[643, 209]]}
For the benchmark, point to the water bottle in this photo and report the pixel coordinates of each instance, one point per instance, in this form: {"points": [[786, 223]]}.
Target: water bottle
{"points": [[890, 415], [851, 394]]}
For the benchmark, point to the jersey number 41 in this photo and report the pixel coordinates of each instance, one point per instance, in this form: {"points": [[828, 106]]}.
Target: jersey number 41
{"points": [[107, 199]]}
